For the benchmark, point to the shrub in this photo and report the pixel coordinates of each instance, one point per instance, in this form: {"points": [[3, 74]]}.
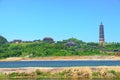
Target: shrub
{"points": [[38, 72], [14, 74], [112, 71], [96, 74]]}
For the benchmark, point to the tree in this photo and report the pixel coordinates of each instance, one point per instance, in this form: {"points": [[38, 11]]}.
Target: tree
{"points": [[3, 40], [48, 40]]}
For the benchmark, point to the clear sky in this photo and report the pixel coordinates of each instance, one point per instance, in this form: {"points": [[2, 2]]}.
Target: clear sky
{"points": [[60, 19]]}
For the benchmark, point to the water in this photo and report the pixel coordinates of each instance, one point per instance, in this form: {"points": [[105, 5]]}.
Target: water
{"points": [[65, 63]]}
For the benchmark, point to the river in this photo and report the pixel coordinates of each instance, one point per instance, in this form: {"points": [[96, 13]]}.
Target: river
{"points": [[62, 63]]}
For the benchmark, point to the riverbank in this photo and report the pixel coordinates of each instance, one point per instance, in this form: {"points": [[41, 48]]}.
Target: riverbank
{"points": [[68, 72], [64, 72], [63, 58]]}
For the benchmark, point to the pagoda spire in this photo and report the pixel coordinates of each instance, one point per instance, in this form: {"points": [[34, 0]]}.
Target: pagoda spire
{"points": [[101, 34]]}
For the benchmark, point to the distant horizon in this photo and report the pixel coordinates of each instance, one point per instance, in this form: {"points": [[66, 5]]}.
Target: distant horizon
{"points": [[59, 19]]}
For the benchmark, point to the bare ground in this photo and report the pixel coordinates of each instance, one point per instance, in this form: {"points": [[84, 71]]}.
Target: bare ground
{"points": [[65, 58]]}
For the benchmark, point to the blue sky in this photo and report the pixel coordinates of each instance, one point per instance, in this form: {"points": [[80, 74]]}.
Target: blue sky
{"points": [[60, 19]]}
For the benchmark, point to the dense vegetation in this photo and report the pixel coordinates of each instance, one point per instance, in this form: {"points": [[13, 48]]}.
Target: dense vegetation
{"points": [[69, 47]]}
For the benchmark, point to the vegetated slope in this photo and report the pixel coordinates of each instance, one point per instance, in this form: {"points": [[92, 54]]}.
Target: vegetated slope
{"points": [[69, 47]]}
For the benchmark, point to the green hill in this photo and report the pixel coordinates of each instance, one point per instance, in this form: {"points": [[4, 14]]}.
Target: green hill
{"points": [[69, 47]]}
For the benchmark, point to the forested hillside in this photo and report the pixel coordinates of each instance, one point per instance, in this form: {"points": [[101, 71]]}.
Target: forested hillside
{"points": [[69, 47]]}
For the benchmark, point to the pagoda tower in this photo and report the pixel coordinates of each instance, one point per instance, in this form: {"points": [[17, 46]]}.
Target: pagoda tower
{"points": [[101, 34]]}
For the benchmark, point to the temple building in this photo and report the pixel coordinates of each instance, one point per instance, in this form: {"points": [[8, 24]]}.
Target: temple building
{"points": [[101, 34]]}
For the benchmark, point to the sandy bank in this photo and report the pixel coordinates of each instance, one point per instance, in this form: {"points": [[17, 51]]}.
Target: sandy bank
{"points": [[64, 58], [52, 70]]}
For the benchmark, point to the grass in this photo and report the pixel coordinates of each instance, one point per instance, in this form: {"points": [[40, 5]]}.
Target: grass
{"points": [[69, 74]]}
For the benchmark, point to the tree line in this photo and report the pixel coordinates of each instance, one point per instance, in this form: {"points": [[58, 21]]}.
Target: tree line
{"points": [[48, 47]]}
